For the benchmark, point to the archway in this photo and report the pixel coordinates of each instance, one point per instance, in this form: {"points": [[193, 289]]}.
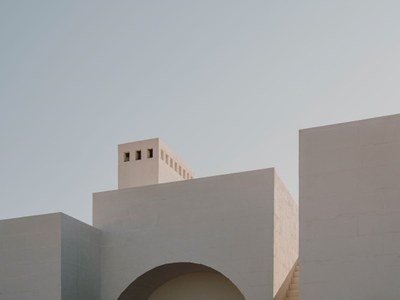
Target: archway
{"points": [[181, 281]]}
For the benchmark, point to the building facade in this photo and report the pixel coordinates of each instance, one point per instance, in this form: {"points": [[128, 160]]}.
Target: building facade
{"points": [[165, 235]]}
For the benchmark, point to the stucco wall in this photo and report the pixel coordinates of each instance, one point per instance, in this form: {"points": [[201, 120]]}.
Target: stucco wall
{"points": [[30, 262], [80, 260], [224, 222], [350, 210]]}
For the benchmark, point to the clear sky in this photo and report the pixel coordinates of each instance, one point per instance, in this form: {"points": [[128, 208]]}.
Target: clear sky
{"points": [[226, 84]]}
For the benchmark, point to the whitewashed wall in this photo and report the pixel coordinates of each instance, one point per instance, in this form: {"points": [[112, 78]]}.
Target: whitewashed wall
{"points": [[350, 210], [224, 222]]}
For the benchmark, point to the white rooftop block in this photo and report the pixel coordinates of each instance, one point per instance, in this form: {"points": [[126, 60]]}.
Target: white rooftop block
{"points": [[149, 162]]}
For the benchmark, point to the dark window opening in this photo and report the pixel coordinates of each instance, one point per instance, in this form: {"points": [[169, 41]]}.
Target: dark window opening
{"points": [[149, 153], [138, 155], [126, 156]]}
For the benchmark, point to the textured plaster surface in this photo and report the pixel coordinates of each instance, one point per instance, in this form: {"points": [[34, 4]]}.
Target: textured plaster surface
{"points": [[286, 233], [350, 210]]}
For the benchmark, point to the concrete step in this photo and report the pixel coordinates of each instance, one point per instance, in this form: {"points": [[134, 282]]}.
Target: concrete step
{"points": [[293, 290]]}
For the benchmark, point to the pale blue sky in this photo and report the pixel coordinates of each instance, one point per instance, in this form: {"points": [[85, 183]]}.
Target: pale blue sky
{"points": [[226, 84]]}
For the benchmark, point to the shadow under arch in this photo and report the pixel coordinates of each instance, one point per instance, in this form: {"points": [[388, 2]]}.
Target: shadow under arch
{"points": [[143, 286]]}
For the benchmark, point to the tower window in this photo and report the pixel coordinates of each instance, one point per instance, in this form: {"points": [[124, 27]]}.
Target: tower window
{"points": [[150, 153], [126, 156], [162, 154], [138, 155]]}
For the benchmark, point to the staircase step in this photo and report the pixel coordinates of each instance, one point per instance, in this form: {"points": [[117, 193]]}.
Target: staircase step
{"points": [[294, 286], [293, 290]]}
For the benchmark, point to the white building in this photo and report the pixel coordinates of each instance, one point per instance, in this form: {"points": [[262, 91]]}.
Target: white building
{"points": [[165, 235]]}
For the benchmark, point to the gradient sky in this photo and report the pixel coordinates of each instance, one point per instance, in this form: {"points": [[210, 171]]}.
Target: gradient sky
{"points": [[226, 84]]}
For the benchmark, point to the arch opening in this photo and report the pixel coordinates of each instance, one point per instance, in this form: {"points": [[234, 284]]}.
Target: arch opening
{"points": [[181, 281]]}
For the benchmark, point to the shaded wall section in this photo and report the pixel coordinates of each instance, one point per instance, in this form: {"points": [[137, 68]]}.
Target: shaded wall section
{"points": [[80, 260], [30, 261], [49, 257]]}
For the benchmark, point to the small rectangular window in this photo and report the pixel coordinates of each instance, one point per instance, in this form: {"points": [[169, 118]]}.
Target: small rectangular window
{"points": [[171, 163], [176, 167], [180, 170], [138, 155], [184, 173], [150, 153], [167, 158], [126, 156], [162, 154]]}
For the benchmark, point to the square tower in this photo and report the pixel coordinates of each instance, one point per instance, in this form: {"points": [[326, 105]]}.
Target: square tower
{"points": [[149, 162]]}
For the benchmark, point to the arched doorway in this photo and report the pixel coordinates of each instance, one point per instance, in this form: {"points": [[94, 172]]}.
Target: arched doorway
{"points": [[182, 281]]}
